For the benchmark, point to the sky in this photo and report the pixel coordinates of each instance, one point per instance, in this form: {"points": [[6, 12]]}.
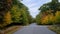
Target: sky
{"points": [[34, 5]]}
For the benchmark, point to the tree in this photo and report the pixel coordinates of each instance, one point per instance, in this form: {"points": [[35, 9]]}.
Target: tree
{"points": [[14, 12], [53, 6], [20, 13], [5, 6], [57, 17], [48, 13]]}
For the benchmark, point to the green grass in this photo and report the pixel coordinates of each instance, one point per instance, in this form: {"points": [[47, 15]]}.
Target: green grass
{"points": [[55, 29], [11, 29]]}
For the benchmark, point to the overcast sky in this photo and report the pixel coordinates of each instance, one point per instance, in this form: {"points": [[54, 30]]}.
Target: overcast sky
{"points": [[34, 5]]}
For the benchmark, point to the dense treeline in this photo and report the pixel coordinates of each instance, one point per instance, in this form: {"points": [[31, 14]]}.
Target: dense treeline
{"points": [[49, 13], [15, 13]]}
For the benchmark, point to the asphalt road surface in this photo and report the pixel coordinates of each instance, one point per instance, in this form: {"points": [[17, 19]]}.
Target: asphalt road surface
{"points": [[34, 29]]}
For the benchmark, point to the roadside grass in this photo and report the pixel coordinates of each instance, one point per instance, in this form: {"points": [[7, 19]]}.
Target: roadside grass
{"points": [[10, 30], [55, 29]]}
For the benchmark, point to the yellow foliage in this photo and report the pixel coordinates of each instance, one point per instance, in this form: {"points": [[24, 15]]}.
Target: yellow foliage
{"points": [[7, 18], [48, 18], [57, 17], [58, 13], [52, 18], [44, 20]]}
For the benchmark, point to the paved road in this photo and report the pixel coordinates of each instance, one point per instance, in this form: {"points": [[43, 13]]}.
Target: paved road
{"points": [[34, 29]]}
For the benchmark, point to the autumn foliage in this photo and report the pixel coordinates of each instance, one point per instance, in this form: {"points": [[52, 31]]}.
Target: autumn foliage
{"points": [[49, 13], [14, 12]]}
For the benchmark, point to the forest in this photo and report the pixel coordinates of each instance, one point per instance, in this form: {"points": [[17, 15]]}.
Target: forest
{"points": [[13, 12], [49, 13]]}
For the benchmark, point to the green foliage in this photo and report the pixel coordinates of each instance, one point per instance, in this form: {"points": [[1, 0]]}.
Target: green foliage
{"points": [[38, 19], [18, 13], [57, 17], [48, 13], [53, 6], [15, 12]]}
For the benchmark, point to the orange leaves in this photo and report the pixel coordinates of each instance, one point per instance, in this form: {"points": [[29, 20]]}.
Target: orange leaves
{"points": [[7, 18], [46, 19], [50, 18]]}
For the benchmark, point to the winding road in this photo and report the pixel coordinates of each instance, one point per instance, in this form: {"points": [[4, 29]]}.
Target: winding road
{"points": [[34, 29]]}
